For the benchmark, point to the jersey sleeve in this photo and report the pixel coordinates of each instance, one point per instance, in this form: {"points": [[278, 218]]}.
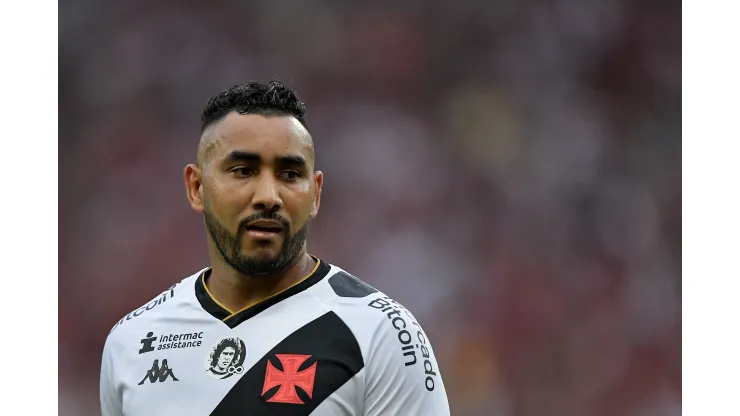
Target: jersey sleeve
{"points": [[110, 400], [402, 377]]}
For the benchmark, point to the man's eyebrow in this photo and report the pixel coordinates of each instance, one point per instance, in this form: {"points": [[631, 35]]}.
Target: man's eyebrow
{"points": [[239, 156], [291, 160], [250, 157]]}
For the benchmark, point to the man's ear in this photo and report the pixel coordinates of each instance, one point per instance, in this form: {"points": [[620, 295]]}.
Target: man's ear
{"points": [[194, 187], [318, 178]]}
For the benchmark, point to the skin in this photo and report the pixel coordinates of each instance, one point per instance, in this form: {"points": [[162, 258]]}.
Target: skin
{"points": [[230, 190], [225, 359]]}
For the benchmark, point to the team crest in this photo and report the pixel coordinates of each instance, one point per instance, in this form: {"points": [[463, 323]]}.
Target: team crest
{"points": [[226, 358]]}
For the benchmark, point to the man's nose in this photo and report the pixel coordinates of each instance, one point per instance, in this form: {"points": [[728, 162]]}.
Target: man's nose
{"points": [[266, 196]]}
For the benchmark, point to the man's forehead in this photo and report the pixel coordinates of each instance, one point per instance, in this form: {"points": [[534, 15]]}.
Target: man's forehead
{"points": [[276, 135]]}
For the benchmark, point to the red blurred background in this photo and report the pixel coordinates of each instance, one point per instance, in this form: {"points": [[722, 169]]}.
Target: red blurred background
{"points": [[510, 171]]}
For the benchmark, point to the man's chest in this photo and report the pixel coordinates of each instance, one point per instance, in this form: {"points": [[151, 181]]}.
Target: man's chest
{"points": [[259, 367]]}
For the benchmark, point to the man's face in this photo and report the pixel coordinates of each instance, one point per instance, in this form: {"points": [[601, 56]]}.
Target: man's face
{"points": [[257, 190], [227, 355]]}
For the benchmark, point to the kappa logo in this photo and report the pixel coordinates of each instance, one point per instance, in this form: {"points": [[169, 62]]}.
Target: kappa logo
{"points": [[226, 358], [159, 373], [289, 379]]}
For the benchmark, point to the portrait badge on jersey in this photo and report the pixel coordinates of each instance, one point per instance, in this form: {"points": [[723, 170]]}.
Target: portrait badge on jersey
{"points": [[226, 358]]}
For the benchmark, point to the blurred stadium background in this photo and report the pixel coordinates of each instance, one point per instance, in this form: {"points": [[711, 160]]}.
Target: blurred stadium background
{"points": [[509, 170]]}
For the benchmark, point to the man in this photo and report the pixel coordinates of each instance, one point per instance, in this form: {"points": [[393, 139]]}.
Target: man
{"points": [[224, 355], [313, 339]]}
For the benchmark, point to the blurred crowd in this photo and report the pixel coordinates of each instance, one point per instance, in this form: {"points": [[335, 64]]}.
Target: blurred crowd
{"points": [[510, 171]]}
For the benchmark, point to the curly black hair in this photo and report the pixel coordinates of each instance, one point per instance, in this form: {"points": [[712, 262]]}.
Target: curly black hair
{"points": [[225, 343], [272, 98]]}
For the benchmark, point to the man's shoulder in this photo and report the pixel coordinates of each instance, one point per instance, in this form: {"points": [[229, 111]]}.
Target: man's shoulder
{"points": [[345, 285], [155, 307], [389, 334], [360, 304]]}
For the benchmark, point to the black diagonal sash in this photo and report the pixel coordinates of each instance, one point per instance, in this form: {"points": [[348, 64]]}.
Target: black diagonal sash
{"points": [[330, 344]]}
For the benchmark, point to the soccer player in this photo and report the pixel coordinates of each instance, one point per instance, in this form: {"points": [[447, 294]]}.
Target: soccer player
{"points": [[266, 329]]}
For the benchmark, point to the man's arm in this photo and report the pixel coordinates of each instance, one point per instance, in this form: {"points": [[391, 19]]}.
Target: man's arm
{"points": [[110, 401], [403, 377]]}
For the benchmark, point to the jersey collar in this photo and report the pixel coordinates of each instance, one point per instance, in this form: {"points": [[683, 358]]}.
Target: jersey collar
{"points": [[234, 318]]}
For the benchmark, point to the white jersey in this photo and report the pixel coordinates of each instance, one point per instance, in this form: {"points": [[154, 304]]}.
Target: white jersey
{"points": [[329, 345]]}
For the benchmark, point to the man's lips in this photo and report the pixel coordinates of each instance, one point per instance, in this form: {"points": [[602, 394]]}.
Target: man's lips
{"points": [[264, 229]]}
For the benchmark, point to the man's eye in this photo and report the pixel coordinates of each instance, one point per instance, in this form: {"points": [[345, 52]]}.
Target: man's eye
{"points": [[242, 171], [290, 175]]}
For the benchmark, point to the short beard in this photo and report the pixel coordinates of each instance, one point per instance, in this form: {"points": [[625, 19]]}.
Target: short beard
{"points": [[230, 246]]}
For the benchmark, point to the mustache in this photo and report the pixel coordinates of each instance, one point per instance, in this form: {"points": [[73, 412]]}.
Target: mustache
{"points": [[263, 216]]}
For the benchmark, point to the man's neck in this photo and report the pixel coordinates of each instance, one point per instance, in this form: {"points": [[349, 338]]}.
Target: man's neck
{"points": [[236, 291]]}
